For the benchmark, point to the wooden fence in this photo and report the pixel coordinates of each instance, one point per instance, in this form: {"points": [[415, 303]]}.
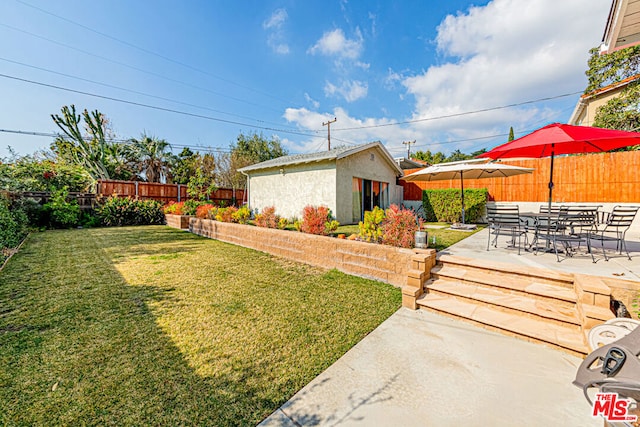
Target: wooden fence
{"points": [[601, 177], [85, 200], [164, 193]]}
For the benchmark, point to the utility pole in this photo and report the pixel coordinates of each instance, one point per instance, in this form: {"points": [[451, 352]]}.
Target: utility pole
{"points": [[408, 144], [328, 125]]}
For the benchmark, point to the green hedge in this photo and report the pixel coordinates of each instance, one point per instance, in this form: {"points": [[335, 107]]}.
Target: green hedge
{"points": [[445, 205], [118, 211]]}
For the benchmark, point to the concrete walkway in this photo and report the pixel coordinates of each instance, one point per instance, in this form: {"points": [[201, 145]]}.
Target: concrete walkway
{"points": [[421, 369]]}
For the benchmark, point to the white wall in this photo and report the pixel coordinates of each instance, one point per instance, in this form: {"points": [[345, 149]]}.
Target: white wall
{"points": [[370, 164], [299, 186]]}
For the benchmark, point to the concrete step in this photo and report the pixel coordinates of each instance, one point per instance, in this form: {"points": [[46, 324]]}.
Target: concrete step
{"points": [[505, 280], [540, 330], [553, 310], [540, 275]]}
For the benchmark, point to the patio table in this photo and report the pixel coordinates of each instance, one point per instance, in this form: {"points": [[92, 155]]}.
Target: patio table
{"points": [[538, 225]]}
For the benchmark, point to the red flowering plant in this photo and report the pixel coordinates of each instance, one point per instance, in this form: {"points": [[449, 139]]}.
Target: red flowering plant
{"points": [[399, 227], [317, 220], [267, 217], [202, 211], [174, 208]]}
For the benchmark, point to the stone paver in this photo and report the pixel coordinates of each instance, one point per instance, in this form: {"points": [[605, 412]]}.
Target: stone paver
{"points": [[421, 369]]}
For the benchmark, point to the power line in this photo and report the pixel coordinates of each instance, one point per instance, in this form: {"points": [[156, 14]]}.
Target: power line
{"points": [[150, 52], [154, 107], [466, 113], [116, 140], [135, 91], [123, 64]]}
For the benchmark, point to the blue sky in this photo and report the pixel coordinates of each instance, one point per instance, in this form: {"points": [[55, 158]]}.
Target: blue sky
{"points": [[387, 71]]}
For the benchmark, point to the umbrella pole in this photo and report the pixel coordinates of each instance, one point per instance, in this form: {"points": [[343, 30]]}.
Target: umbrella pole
{"points": [[551, 178], [462, 194]]}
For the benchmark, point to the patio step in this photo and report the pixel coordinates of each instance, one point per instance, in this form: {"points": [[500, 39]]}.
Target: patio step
{"points": [[532, 307], [506, 281], [533, 303], [561, 336]]}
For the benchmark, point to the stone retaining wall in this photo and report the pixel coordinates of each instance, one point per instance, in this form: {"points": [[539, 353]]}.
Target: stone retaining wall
{"points": [[177, 221], [385, 263]]}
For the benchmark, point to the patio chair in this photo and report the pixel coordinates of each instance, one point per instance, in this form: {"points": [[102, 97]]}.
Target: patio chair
{"points": [[614, 228], [571, 226], [505, 220]]}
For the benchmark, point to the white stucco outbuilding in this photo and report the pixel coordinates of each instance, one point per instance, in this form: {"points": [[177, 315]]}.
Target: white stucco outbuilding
{"points": [[348, 180]]}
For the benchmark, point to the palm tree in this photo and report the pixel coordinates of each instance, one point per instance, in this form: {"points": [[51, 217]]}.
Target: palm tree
{"points": [[153, 157]]}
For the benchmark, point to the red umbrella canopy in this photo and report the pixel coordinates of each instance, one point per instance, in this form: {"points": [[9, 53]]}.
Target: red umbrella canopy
{"points": [[557, 139]]}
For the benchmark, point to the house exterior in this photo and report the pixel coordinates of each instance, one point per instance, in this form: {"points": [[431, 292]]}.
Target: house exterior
{"points": [[348, 180], [585, 112], [623, 26]]}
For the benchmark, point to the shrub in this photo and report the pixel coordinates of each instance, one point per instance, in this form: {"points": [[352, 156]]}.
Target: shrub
{"points": [[317, 220], [212, 212], [174, 208], [283, 223], [267, 218], [62, 212], [190, 206], [370, 230], [399, 227], [226, 214], [202, 211], [242, 215], [13, 225], [119, 211], [445, 205]]}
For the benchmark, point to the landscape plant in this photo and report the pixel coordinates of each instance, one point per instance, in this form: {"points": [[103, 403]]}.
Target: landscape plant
{"points": [[62, 211], [267, 218], [174, 208], [399, 227], [226, 214], [444, 205], [202, 211], [370, 229], [13, 227], [242, 215], [317, 220], [120, 211]]}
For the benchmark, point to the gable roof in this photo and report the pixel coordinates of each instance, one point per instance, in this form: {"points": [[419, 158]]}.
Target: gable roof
{"points": [[335, 154], [623, 26]]}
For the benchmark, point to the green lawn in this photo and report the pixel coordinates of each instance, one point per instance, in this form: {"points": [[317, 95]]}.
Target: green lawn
{"points": [[154, 326]]}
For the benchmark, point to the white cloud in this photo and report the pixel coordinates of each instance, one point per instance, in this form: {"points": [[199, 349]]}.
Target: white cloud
{"points": [[315, 104], [276, 39], [276, 20], [334, 43], [349, 90], [503, 53]]}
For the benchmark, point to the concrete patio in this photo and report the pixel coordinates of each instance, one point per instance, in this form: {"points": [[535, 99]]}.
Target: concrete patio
{"points": [[422, 369], [618, 266]]}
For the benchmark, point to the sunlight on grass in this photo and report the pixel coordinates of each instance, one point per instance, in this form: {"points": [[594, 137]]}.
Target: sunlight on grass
{"points": [[151, 325]]}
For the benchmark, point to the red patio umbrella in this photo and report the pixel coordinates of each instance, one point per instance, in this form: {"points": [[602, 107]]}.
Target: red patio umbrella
{"points": [[556, 139]]}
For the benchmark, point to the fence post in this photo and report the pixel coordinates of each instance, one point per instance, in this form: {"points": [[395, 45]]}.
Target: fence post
{"points": [[136, 189], [178, 193]]}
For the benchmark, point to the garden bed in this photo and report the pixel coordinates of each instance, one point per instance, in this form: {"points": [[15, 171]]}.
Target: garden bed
{"points": [[385, 263]]}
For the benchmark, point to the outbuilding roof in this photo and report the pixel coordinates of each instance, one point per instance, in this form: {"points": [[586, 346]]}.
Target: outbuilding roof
{"points": [[335, 154]]}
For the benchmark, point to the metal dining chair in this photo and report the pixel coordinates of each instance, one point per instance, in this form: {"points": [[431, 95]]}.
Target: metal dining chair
{"points": [[505, 220], [614, 228]]}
